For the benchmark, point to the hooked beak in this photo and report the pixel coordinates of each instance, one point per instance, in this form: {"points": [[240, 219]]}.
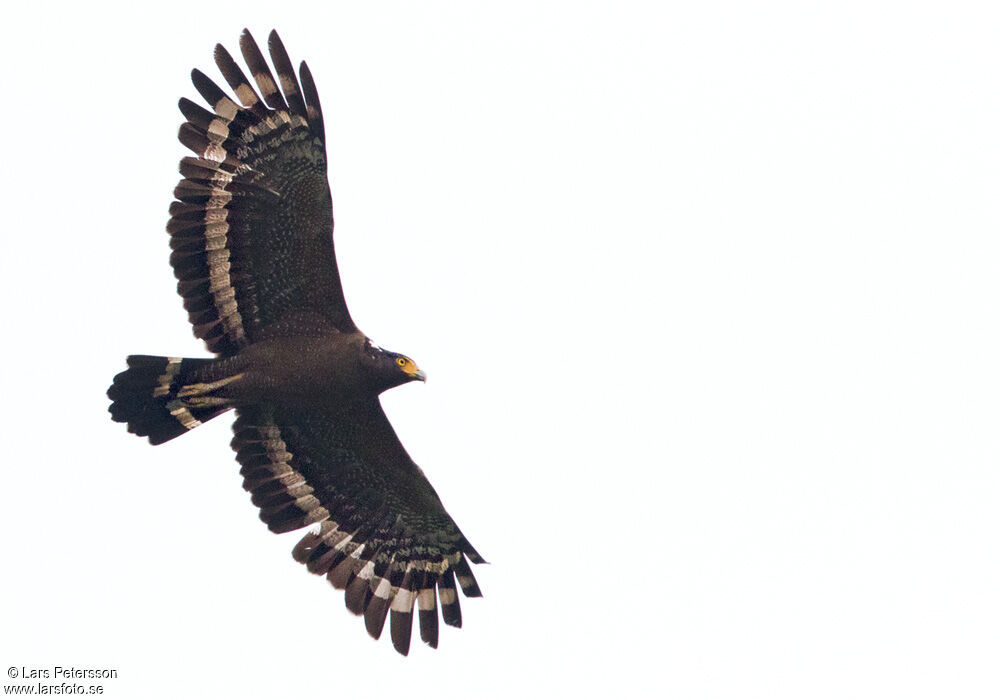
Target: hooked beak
{"points": [[421, 375]]}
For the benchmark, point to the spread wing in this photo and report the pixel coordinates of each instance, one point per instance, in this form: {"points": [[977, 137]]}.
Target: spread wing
{"points": [[252, 227], [382, 535]]}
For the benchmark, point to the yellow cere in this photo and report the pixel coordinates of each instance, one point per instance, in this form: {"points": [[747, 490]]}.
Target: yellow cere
{"points": [[407, 365]]}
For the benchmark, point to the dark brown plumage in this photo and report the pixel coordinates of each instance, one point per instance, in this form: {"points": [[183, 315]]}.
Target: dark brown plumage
{"points": [[252, 250]]}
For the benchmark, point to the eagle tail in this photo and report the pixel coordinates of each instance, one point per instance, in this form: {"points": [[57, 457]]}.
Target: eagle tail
{"points": [[161, 397]]}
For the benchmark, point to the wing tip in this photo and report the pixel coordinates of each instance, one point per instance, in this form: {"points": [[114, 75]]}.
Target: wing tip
{"points": [[401, 630]]}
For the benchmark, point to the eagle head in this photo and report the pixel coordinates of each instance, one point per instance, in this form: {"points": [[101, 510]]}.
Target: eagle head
{"points": [[389, 369]]}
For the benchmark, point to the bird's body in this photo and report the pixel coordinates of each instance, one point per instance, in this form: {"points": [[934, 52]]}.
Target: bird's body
{"points": [[251, 235], [303, 371]]}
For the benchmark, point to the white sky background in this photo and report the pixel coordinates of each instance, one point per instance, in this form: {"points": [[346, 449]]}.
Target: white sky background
{"points": [[708, 297]]}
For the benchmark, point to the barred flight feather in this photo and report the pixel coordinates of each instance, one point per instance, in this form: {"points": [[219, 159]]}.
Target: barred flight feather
{"points": [[451, 611], [377, 610], [313, 110], [401, 614], [221, 103], [286, 75], [238, 82], [261, 73], [427, 610]]}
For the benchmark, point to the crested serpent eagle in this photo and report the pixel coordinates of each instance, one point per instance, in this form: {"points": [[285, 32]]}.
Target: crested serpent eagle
{"points": [[251, 234]]}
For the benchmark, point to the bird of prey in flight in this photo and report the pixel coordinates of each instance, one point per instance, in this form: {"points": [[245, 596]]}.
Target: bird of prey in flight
{"points": [[251, 234]]}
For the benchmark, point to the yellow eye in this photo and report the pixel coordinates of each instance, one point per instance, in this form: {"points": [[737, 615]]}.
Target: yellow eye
{"points": [[401, 361]]}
